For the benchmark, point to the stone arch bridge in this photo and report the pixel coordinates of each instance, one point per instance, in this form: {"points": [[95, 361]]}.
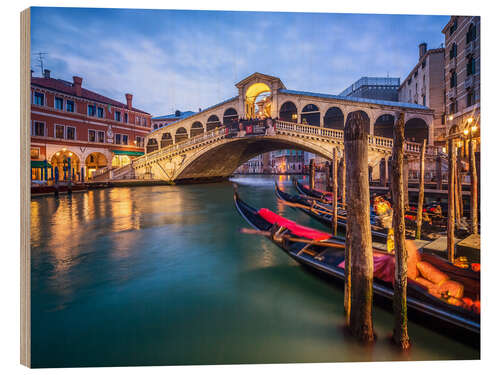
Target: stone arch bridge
{"points": [[199, 147]]}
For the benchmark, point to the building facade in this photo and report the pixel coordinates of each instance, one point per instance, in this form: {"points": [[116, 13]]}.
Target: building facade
{"points": [[79, 134], [382, 88], [462, 54], [425, 85]]}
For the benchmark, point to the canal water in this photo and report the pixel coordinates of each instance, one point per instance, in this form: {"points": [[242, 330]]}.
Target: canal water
{"points": [[161, 275]]}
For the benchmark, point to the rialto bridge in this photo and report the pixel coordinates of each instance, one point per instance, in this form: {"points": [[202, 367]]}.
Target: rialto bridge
{"points": [[199, 147]]}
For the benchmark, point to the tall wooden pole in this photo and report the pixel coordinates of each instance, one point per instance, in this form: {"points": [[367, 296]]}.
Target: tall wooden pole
{"points": [[450, 244], [400, 334], [342, 181], [459, 184], [359, 252], [327, 176], [334, 192], [382, 172], [473, 186], [421, 189], [312, 174], [406, 173], [439, 174], [457, 198]]}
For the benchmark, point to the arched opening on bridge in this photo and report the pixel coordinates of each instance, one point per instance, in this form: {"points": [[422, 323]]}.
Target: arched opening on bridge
{"points": [[60, 161], [288, 112], [384, 126], [212, 123], [181, 135], [416, 130], [94, 162], [152, 145], [310, 115], [166, 140], [230, 116], [334, 118], [258, 101], [365, 119], [119, 161], [196, 129]]}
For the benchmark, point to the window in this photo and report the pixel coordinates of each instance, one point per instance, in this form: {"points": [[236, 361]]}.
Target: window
{"points": [[453, 27], [91, 135], [155, 126], [453, 108], [125, 117], [471, 66], [38, 129], [91, 110], [35, 152], [100, 136], [100, 112], [453, 79], [144, 121], [423, 63], [70, 106], [118, 139], [453, 51], [125, 139], [423, 100], [38, 98], [59, 133], [470, 98], [70, 132], [139, 141], [471, 34], [58, 103], [118, 116]]}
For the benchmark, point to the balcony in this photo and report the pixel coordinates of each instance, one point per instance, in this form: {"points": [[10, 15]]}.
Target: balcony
{"points": [[451, 93], [469, 81]]}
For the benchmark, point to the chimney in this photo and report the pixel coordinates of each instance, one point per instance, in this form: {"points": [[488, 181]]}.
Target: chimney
{"points": [[422, 49], [77, 84], [129, 100], [46, 73]]}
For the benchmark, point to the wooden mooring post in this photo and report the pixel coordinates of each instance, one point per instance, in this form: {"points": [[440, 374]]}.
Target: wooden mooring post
{"points": [[439, 173], [421, 190], [400, 334], [359, 252], [312, 174], [450, 244], [327, 176], [334, 192], [342, 180], [473, 187], [406, 172]]}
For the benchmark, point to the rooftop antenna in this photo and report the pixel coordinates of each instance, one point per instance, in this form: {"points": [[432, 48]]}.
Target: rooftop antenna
{"points": [[41, 56]]}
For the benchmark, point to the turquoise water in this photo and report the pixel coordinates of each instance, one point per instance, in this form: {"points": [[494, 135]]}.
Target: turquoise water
{"points": [[162, 276]]}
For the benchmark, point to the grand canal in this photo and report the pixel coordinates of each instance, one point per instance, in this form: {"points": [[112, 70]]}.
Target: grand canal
{"points": [[161, 275]]}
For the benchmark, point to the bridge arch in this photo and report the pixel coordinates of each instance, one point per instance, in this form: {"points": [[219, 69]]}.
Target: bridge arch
{"points": [[334, 118], [384, 126], [152, 145], [288, 112], [230, 115], [181, 134], [166, 140], [213, 122], [310, 115], [416, 130], [365, 119], [196, 129]]}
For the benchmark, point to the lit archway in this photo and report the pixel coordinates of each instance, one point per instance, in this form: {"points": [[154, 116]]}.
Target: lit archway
{"points": [[166, 140], [310, 115], [152, 145], [384, 126], [416, 130], [181, 135], [258, 101], [196, 129], [60, 161], [212, 123], [94, 162], [334, 118], [288, 112], [230, 116]]}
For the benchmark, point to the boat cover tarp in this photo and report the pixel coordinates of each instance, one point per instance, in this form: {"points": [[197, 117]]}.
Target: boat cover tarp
{"points": [[383, 267], [293, 227]]}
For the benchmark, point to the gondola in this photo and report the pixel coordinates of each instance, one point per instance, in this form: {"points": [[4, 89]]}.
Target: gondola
{"points": [[307, 195], [324, 255]]}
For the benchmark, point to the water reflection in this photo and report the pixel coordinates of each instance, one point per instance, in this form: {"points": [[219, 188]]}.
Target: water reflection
{"points": [[162, 275]]}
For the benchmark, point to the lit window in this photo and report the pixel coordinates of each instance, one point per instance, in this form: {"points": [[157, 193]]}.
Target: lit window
{"points": [[59, 131], [91, 135], [100, 136], [70, 132], [39, 129]]}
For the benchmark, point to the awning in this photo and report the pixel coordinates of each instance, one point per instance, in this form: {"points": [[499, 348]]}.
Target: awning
{"points": [[39, 164], [131, 153]]}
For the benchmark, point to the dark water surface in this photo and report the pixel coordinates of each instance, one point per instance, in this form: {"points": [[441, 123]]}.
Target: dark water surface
{"points": [[161, 275]]}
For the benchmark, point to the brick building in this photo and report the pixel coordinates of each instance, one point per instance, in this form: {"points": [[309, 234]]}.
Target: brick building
{"points": [[96, 134]]}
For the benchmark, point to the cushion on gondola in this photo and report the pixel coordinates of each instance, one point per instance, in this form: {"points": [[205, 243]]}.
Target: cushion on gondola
{"points": [[293, 227], [452, 288], [431, 273]]}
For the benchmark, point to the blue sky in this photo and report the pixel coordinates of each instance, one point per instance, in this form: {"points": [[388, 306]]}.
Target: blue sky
{"points": [[190, 59]]}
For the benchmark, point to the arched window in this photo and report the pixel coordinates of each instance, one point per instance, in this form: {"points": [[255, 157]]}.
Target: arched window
{"points": [[334, 119], [288, 112], [453, 51], [181, 135], [310, 115], [453, 78], [230, 116], [212, 123], [471, 33], [384, 126], [416, 130], [152, 145], [471, 66], [196, 129], [166, 140]]}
